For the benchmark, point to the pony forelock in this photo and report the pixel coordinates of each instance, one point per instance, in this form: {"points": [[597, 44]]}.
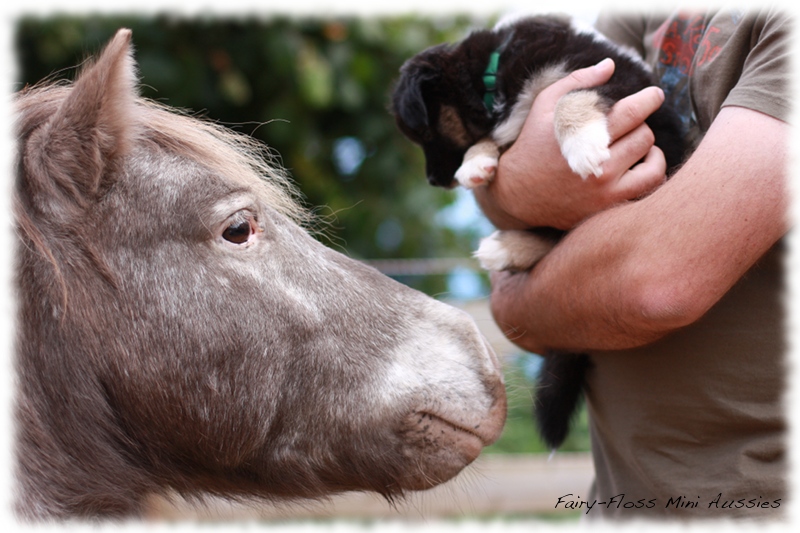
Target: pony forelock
{"points": [[232, 155]]}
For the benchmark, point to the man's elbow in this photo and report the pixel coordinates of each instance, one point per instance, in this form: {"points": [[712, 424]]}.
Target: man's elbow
{"points": [[661, 305]]}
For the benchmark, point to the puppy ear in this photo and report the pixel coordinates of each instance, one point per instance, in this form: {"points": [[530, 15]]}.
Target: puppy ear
{"points": [[408, 100]]}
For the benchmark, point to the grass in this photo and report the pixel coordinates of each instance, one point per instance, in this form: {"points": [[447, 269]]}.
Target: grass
{"points": [[519, 434]]}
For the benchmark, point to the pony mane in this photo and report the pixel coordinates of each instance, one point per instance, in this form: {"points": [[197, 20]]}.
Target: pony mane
{"points": [[234, 156]]}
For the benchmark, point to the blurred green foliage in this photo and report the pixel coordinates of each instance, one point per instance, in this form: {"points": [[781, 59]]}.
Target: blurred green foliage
{"points": [[315, 90], [519, 434]]}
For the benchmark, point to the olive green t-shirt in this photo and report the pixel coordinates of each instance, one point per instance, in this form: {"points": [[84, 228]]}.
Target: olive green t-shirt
{"points": [[693, 425]]}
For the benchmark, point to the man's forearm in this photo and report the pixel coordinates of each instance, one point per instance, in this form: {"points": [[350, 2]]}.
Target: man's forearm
{"points": [[632, 274]]}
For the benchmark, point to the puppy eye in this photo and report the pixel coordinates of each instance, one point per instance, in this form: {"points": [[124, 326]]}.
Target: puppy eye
{"points": [[240, 231]]}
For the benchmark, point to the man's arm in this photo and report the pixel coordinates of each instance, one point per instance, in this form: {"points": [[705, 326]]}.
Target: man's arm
{"points": [[635, 272]]}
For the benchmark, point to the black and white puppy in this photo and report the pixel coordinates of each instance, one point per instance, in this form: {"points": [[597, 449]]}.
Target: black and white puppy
{"points": [[464, 104]]}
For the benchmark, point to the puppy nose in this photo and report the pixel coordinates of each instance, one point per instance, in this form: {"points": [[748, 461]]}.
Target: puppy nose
{"points": [[436, 181]]}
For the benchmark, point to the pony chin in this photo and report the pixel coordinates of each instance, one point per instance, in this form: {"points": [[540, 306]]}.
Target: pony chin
{"points": [[439, 448], [455, 413]]}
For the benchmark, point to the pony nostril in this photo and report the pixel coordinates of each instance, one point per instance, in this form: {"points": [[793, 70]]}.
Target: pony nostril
{"points": [[493, 356]]}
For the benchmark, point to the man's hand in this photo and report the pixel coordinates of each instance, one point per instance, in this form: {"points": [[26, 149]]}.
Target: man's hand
{"points": [[534, 186], [635, 272]]}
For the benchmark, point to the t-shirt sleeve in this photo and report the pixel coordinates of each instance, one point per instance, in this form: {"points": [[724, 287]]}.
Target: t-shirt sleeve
{"points": [[764, 82], [625, 30]]}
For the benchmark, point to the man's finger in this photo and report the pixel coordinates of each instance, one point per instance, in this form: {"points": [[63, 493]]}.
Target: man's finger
{"points": [[628, 150], [643, 177], [631, 111], [580, 79]]}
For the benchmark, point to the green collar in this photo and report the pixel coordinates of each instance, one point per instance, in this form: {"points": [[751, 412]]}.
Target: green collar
{"points": [[490, 74], [490, 80]]}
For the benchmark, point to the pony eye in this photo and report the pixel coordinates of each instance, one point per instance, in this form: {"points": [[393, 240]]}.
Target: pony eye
{"points": [[239, 232]]}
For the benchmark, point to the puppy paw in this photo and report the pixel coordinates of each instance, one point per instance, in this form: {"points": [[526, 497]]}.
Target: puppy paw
{"points": [[586, 149], [582, 131], [492, 254], [476, 171], [511, 250]]}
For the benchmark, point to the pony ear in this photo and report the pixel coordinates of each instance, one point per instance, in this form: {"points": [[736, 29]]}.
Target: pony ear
{"points": [[84, 139]]}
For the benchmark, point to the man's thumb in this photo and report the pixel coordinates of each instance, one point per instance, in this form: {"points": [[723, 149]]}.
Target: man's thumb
{"points": [[584, 78]]}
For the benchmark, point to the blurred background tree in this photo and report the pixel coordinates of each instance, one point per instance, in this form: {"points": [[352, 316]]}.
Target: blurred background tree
{"points": [[317, 91]]}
